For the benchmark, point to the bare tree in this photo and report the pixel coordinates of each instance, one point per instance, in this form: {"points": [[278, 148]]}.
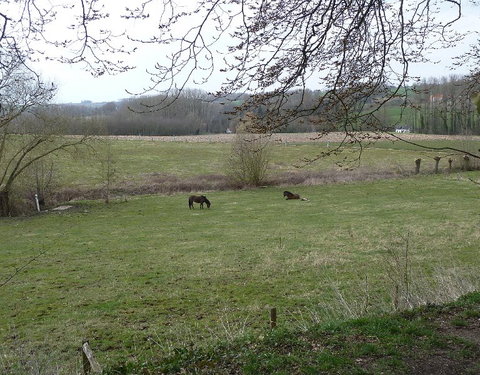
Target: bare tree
{"points": [[357, 53], [28, 131], [248, 161], [106, 167]]}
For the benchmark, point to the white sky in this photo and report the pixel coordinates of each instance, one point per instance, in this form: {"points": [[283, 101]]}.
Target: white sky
{"points": [[75, 84]]}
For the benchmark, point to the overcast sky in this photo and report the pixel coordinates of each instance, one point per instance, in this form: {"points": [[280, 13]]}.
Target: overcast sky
{"points": [[75, 84]]}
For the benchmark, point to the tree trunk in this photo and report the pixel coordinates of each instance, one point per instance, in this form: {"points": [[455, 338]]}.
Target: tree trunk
{"points": [[4, 203], [466, 163]]}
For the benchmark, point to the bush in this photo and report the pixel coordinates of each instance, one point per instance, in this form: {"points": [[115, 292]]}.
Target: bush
{"points": [[40, 179], [249, 159]]}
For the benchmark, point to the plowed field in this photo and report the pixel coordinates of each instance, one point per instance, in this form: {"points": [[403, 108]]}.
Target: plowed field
{"points": [[293, 137]]}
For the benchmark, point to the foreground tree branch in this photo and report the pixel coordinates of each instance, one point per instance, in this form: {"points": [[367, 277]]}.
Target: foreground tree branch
{"points": [[357, 54]]}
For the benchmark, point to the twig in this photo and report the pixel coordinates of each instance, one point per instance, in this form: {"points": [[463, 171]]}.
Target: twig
{"points": [[18, 270], [475, 182]]}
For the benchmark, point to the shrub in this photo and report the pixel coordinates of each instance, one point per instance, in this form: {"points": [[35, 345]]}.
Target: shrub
{"points": [[249, 159]]}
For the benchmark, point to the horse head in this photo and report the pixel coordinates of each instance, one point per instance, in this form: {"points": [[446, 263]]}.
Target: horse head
{"points": [[206, 201]]}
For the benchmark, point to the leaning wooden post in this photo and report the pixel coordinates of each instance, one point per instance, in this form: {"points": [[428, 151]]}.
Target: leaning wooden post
{"points": [[90, 364], [417, 165], [273, 317], [466, 162], [437, 160], [450, 161]]}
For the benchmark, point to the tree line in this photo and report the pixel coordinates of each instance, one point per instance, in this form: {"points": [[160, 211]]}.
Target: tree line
{"points": [[434, 106], [445, 107], [193, 112]]}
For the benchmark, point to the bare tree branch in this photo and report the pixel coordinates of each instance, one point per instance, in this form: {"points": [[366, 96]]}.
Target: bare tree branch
{"points": [[21, 268]]}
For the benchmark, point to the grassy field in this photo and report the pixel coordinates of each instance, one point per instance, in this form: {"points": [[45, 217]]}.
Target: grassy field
{"points": [[138, 278], [137, 160]]}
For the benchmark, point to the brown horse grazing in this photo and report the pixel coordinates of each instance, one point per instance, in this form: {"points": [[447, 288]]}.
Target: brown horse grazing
{"points": [[198, 199], [289, 195]]}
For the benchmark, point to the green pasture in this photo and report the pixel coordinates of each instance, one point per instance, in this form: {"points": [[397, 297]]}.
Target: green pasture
{"points": [[137, 278], [135, 160]]}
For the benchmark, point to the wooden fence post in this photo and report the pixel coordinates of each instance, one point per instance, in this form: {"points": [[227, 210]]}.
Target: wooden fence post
{"points": [[417, 165], [466, 162], [437, 160], [90, 364], [273, 317]]}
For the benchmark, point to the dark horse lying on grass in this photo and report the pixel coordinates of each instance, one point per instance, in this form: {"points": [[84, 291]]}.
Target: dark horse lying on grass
{"points": [[198, 199], [293, 196]]}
